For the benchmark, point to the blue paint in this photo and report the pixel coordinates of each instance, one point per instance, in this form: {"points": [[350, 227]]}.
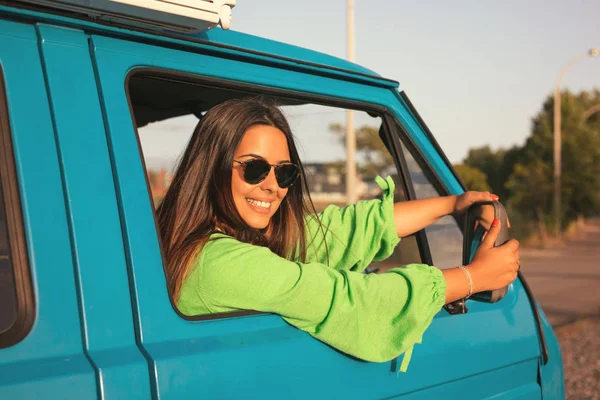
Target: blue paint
{"points": [[51, 358], [552, 374], [94, 216], [105, 326]]}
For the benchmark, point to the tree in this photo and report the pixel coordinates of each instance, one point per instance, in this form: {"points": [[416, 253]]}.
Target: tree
{"points": [[531, 188], [580, 180], [497, 165], [472, 177], [523, 176], [374, 158]]}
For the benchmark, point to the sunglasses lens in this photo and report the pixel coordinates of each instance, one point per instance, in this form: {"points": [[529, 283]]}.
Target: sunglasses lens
{"points": [[286, 175], [256, 171]]}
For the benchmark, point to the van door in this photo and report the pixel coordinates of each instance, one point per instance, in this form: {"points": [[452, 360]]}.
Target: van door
{"points": [[259, 355], [95, 225], [230, 356], [491, 351], [43, 354]]}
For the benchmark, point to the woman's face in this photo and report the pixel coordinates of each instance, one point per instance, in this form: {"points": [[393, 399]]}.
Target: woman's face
{"points": [[257, 203]]}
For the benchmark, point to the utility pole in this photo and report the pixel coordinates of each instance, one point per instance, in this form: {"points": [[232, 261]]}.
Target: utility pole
{"points": [[350, 134], [594, 52]]}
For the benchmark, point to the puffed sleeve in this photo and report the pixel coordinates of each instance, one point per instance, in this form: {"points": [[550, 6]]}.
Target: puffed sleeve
{"points": [[354, 236], [374, 317]]}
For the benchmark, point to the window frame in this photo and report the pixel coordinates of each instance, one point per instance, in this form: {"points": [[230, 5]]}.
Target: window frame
{"points": [[398, 133], [431, 175], [17, 244], [390, 124], [394, 132], [434, 143]]}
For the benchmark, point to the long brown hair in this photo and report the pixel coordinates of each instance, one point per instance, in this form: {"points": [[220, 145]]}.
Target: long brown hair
{"points": [[199, 198]]}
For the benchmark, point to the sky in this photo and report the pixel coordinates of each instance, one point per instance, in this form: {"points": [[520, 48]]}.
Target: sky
{"points": [[477, 71]]}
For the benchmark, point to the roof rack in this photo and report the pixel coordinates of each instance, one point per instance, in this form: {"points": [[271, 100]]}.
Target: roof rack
{"points": [[185, 16]]}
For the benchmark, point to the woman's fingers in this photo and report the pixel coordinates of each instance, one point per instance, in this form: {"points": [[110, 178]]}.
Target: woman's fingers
{"points": [[513, 244], [492, 235], [496, 267], [467, 199], [473, 197], [482, 196]]}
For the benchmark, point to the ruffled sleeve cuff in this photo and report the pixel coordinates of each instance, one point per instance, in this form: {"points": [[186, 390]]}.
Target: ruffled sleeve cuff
{"points": [[435, 297], [388, 186]]}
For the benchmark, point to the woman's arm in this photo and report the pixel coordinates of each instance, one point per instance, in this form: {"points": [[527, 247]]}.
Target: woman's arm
{"points": [[412, 216], [354, 236], [374, 317]]}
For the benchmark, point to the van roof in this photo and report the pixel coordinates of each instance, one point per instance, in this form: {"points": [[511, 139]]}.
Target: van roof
{"points": [[278, 49], [227, 40]]}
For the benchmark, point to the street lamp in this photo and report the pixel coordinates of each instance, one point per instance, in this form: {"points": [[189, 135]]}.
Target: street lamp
{"points": [[350, 133], [589, 112], [557, 135]]}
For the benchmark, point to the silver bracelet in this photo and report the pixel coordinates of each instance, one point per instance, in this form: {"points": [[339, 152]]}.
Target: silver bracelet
{"points": [[470, 280]]}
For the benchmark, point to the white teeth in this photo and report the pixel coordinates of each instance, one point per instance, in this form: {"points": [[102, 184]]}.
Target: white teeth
{"points": [[262, 204]]}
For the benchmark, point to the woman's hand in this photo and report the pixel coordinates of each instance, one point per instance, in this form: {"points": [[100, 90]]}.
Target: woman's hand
{"points": [[467, 199], [494, 267]]}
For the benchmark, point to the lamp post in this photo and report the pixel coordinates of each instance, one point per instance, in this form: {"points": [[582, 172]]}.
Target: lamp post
{"points": [[350, 133], [589, 112], [557, 135]]}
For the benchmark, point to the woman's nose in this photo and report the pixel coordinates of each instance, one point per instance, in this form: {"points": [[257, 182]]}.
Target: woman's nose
{"points": [[270, 182]]}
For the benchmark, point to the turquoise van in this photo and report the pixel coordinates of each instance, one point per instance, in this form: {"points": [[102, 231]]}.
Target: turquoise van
{"points": [[90, 99]]}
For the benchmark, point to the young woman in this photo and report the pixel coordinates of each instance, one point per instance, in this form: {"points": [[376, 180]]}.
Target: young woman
{"points": [[240, 233]]}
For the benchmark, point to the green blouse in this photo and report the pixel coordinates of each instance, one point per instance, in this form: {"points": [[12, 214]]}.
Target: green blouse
{"points": [[374, 317]]}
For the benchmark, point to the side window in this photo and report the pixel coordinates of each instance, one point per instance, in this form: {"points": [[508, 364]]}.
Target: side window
{"points": [[165, 123], [444, 236], [16, 294], [8, 292]]}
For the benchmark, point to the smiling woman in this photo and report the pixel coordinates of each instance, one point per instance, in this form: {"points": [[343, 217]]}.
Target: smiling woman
{"points": [[240, 232], [225, 184]]}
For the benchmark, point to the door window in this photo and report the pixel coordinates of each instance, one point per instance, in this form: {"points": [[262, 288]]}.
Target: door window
{"points": [[8, 292], [165, 126], [16, 296], [444, 236]]}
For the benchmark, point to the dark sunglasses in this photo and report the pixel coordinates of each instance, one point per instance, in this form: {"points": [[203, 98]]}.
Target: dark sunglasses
{"points": [[257, 169]]}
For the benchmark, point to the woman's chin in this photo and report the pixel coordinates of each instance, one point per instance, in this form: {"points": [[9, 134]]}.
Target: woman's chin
{"points": [[256, 217], [258, 223]]}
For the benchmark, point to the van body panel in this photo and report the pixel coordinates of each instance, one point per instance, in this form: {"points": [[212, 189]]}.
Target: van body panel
{"points": [[51, 358], [427, 149], [214, 353], [411, 124], [93, 214], [266, 46], [512, 383], [551, 374]]}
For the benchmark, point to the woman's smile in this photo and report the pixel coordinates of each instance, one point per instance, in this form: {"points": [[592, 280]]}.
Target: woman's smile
{"points": [[262, 207]]}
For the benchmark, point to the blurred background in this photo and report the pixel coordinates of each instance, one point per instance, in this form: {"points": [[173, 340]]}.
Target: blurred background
{"points": [[488, 78]]}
